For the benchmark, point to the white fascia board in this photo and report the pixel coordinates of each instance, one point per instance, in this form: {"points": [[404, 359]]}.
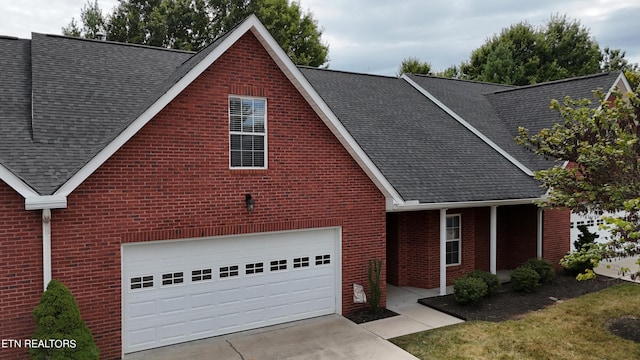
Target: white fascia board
{"points": [[154, 109], [469, 127], [324, 112], [16, 183], [621, 78], [464, 204]]}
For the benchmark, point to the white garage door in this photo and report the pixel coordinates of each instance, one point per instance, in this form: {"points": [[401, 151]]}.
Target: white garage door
{"points": [[176, 291]]}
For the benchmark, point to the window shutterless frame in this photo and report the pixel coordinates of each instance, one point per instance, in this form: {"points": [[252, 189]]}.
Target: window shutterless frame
{"points": [[454, 240], [247, 132]]}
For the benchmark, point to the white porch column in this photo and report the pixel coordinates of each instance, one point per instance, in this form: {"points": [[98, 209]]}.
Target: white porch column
{"points": [[493, 240], [46, 247], [443, 251], [539, 233]]}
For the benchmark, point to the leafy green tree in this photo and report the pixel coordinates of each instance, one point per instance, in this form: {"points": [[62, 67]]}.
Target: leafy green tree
{"points": [[58, 319], [513, 57], [177, 24], [523, 54], [193, 24], [571, 50], [413, 65], [602, 145], [452, 72], [296, 31], [93, 22]]}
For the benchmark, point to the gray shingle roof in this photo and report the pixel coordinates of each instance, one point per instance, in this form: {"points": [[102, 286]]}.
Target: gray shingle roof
{"points": [[84, 93], [498, 110], [529, 106], [424, 153]]}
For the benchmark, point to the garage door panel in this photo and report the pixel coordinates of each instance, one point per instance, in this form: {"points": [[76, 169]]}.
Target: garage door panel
{"points": [[173, 332], [175, 306], [202, 301], [210, 287]]}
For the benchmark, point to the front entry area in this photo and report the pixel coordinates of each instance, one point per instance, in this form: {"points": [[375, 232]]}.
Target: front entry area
{"points": [[177, 291]]}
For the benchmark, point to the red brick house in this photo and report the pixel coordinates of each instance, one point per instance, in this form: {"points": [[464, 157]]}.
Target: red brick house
{"points": [[186, 195]]}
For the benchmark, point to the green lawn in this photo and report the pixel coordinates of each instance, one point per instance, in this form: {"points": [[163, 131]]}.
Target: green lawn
{"points": [[574, 329]]}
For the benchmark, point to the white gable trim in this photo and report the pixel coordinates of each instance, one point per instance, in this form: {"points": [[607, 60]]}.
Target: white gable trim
{"points": [[16, 183], [293, 74], [324, 112], [625, 83], [151, 112], [469, 127]]}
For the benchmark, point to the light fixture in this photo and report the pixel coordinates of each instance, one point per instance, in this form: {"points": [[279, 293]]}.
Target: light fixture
{"points": [[249, 201]]}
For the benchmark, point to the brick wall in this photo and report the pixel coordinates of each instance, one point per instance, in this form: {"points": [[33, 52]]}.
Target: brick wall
{"points": [[172, 180], [20, 269], [556, 235], [418, 241], [413, 242]]}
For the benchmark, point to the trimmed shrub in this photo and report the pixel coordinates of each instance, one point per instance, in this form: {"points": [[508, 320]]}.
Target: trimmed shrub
{"points": [[493, 284], [373, 274], [543, 268], [579, 262], [468, 290], [585, 237], [58, 319], [524, 279]]}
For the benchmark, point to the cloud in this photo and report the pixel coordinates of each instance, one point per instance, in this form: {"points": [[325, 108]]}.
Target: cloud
{"points": [[376, 35]]}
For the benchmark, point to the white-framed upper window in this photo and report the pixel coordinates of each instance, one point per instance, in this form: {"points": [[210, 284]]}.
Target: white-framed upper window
{"points": [[247, 132], [454, 240]]}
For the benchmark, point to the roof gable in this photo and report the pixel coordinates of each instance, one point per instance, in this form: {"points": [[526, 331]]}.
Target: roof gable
{"points": [[60, 143]]}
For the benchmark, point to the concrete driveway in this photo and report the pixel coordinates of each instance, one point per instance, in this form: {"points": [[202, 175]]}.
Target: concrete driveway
{"points": [[328, 337]]}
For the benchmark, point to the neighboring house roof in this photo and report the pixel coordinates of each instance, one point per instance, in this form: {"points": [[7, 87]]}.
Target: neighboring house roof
{"points": [[69, 104]]}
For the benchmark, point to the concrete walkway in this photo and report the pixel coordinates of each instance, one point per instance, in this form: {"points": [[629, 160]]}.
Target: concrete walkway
{"points": [[413, 316], [612, 268]]}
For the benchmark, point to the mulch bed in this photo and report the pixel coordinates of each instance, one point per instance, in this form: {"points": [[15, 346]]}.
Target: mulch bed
{"points": [[364, 316], [507, 304], [627, 327]]}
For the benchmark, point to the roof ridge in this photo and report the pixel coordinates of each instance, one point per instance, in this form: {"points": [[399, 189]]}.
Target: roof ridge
{"points": [[505, 154], [558, 81], [109, 42], [346, 72], [463, 80]]}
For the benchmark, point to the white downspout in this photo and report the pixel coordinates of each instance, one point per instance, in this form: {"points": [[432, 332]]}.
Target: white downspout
{"points": [[493, 240], [539, 233], [46, 247], [443, 252]]}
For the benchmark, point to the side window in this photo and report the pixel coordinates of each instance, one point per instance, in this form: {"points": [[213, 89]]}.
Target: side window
{"points": [[247, 132], [453, 240]]}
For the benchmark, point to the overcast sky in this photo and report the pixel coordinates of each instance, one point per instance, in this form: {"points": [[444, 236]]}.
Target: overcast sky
{"points": [[374, 36]]}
